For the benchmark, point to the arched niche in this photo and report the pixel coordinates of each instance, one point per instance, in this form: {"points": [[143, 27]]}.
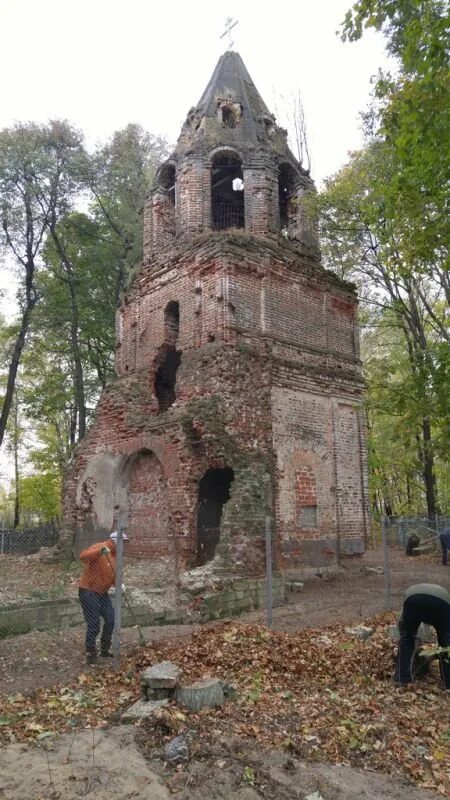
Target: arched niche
{"points": [[144, 506], [227, 191]]}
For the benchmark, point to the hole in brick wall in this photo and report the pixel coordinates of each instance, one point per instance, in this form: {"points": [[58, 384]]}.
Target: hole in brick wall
{"points": [[229, 117], [227, 203], [165, 378], [169, 358], [213, 493], [287, 179]]}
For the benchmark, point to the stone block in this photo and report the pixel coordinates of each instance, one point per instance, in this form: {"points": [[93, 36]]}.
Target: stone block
{"points": [[295, 586], [142, 709], [173, 616], [155, 694], [207, 692], [360, 632], [229, 690], [164, 675]]}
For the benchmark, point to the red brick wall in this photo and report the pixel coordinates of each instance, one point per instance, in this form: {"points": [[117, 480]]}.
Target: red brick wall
{"points": [[305, 494], [148, 509], [268, 356]]}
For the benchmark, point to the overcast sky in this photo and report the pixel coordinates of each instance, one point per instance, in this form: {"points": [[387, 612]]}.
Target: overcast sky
{"points": [[105, 63]]}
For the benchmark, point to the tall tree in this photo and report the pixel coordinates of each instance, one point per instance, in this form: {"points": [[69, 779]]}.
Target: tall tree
{"points": [[411, 115], [369, 247], [37, 186], [120, 177]]}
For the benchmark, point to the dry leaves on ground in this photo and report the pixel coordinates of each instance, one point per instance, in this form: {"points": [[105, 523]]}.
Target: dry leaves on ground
{"points": [[318, 693]]}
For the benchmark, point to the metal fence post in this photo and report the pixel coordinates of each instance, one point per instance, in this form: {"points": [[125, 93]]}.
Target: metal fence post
{"points": [[118, 597], [387, 576], [269, 570]]}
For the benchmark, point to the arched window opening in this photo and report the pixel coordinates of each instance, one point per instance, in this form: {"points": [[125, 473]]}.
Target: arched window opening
{"points": [[169, 358], [167, 182], [287, 179], [213, 493], [171, 321], [227, 193]]}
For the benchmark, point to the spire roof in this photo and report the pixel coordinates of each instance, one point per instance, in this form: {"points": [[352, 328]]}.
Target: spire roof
{"points": [[231, 80]]}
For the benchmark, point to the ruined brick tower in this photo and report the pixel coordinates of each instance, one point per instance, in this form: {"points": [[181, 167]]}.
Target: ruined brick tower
{"points": [[238, 384]]}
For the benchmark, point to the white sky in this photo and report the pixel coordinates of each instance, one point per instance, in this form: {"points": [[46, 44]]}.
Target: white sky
{"points": [[105, 63]]}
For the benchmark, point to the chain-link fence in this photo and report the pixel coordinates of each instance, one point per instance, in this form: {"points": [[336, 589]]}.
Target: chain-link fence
{"points": [[26, 542], [413, 549], [95, 604], [102, 602]]}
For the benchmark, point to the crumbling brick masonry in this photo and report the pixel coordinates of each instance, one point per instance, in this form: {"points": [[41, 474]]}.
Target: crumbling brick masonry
{"points": [[238, 389]]}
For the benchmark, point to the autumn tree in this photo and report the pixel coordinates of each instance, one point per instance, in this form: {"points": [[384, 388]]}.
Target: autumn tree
{"points": [[37, 186], [364, 244]]}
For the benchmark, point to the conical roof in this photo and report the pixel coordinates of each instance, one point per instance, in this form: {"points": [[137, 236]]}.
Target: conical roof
{"points": [[231, 113], [231, 79], [230, 91]]}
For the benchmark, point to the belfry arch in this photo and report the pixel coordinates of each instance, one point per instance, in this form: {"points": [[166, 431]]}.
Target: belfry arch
{"points": [[227, 191]]}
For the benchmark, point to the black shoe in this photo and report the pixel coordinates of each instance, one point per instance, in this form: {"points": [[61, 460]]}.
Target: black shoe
{"points": [[91, 658], [106, 654]]}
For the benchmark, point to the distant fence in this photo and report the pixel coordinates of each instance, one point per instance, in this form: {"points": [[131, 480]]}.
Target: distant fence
{"points": [[414, 537], [401, 528], [27, 542]]}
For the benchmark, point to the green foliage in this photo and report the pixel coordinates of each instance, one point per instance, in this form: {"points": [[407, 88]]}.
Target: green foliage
{"points": [[411, 115], [385, 226], [121, 173], [404, 347], [41, 494], [75, 265]]}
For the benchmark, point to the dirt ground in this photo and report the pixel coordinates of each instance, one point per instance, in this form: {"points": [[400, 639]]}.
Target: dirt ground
{"points": [[112, 765], [42, 658], [124, 762]]}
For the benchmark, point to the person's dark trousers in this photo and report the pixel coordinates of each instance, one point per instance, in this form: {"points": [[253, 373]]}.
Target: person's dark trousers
{"points": [[94, 606], [444, 546], [432, 611]]}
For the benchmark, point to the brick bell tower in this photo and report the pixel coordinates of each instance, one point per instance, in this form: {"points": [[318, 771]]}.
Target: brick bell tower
{"points": [[238, 389]]}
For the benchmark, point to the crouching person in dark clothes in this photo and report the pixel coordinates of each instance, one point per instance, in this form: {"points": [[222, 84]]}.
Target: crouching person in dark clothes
{"points": [[428, 603], [98, 576], [444, 539]]}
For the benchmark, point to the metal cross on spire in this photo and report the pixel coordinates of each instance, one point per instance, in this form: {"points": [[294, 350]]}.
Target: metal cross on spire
{"points": [[229, 24]]}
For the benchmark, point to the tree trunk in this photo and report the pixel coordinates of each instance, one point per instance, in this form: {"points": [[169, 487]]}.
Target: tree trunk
{"points": [[408, 492], [14, 365], [78, 378], [428, 470], [78, 372], [16, 469]]}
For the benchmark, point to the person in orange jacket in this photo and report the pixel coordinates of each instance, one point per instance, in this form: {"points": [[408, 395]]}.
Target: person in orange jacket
{"points": [[98, 576]]}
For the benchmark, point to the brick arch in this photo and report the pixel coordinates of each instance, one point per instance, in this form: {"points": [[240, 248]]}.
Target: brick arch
{"points": [[165, 174], [224, 150], [146, 516], [227, 203]]}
